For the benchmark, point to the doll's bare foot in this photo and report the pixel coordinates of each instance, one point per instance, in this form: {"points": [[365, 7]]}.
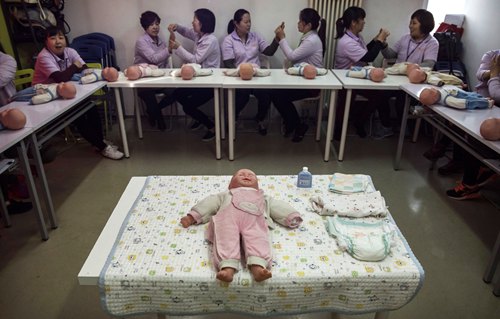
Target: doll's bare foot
{"points": [[260, 273], [226, 274]]}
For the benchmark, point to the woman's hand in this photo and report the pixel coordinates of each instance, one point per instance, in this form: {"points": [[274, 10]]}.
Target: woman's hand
{"points": [[382, 35], [280, 31], [173, 45], [172, 27], [495, 66]]}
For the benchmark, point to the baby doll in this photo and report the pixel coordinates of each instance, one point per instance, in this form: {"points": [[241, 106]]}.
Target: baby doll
{"points": [[243, 213], [43, 93], [307, 70], [142, 70], [455, 98], [490, 129], [12, 119], [435, 78], [404, 68], [370, 73], [190, 70], [246, 71], [93, 75]]}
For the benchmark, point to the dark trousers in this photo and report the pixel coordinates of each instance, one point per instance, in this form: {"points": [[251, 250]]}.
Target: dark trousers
{"points": [[283, 102], [90, 128], [191, 99], [262, 95]]}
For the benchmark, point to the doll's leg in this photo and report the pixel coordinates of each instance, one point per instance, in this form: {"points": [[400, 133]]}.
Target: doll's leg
{"points": [[226, 248], [257, 248]]}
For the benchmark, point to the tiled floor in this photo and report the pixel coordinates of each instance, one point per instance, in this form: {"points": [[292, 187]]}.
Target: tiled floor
{"points": [[451, 239]]}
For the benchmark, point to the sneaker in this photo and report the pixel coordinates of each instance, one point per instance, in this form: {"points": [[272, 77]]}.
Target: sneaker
{"points": [[382, 132], [209, 135], [453, 167], [485, 175], [261, 128], [461, 192], [111, 153], [300, 132], [195, 126], [436, 152], [109, 143]]}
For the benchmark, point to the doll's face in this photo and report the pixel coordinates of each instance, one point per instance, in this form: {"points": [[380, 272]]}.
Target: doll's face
{"points": [[133, 72], [244, 178], [246, 71], [377, 75], [309, 72], [187, 72], [429, 96], [417, 76], [66, 90], [110, 74], [56, 43], [13, 119]]}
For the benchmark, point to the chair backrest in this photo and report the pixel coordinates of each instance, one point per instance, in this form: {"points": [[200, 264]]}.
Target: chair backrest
{"points": [[82, 41], [23, 78], [93, 65], [89, 53]]}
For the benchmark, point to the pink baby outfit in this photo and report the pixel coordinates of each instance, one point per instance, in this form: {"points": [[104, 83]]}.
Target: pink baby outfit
{"points": [[244, 218]]}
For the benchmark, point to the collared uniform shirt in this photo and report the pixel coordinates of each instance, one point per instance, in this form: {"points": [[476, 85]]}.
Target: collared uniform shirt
{"points": [[48, 63], [233, 48], [206, 51], [350, 49], [8, 67], [147, 51], [409, 50], [310, 50]]}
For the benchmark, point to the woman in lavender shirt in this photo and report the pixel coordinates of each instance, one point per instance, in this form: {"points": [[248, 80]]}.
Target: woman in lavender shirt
{"points": [[151, 48], [206, 52], [243, 46], [310, 50]]}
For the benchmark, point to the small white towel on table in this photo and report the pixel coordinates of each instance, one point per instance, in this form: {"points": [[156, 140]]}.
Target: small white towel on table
{"points": [[349, 183], [354, 205]]}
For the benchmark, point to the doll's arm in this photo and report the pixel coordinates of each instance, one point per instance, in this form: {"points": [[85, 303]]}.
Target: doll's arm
{"points": [[43, 98], [262, 72], [232, 72], [283, 213], [207, 207], [358, 72], [91, 76]]}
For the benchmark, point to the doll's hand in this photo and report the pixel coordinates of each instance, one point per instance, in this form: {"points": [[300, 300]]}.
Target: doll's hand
{"points": [[172, 27], [187, 221]]}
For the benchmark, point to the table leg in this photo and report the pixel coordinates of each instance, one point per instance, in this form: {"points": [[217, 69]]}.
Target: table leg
{"points": [[121, 121], [217, 123], [344, 124], [493, 263], [319, 115], [222, 116], [331, 123], [230, 122], [23, 157], [35, 150], [401, 140], [137, 107], [5, 213]]}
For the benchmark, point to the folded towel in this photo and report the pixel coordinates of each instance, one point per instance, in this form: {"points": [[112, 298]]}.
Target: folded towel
{"points": [[349, 183], [354, 205]]}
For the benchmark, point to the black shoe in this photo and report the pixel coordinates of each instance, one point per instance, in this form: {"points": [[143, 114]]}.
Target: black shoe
{"points": [[209, 135], [151, 116], [360, 129], [261, 128], [195, 126], [16, 207], [452, 167], [300, 132], [436, 152], [288, 130]]}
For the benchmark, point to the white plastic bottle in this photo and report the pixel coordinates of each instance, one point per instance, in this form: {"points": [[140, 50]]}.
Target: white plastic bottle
{"points": [[304, 178]]}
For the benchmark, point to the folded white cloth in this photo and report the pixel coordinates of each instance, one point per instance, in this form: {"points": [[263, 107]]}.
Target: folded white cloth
{"points": [[349, 183], [354, 205], [362, 239]]}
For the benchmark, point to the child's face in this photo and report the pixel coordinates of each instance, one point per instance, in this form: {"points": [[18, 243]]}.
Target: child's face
{"points": [[244, 178]]}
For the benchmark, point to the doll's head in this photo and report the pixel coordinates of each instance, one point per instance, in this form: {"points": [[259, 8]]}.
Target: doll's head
{"points": [[417, 76], [246, 71], [410, 67], [429, 96], [66, 90], [490, 129], [13, 119], [244, 178], [110, 74], [187, 72], [133, 72], [377, 74], [309, 72]]}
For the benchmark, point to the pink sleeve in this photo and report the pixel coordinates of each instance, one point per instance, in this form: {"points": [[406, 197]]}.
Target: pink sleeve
{"points": [[196, 216], [293, 220]]}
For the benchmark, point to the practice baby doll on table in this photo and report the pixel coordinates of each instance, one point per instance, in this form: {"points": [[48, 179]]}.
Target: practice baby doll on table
{"points": [[191, 70], [419, 75], [87, 76], [242, 212], [44, 93], [490, 129], [307, 70], [12, 119], [137, 71], [246, 71], [455, 98], [367, 72]]}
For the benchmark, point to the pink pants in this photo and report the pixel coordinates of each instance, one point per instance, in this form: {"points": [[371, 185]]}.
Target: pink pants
{"points": [[243, 218]]}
